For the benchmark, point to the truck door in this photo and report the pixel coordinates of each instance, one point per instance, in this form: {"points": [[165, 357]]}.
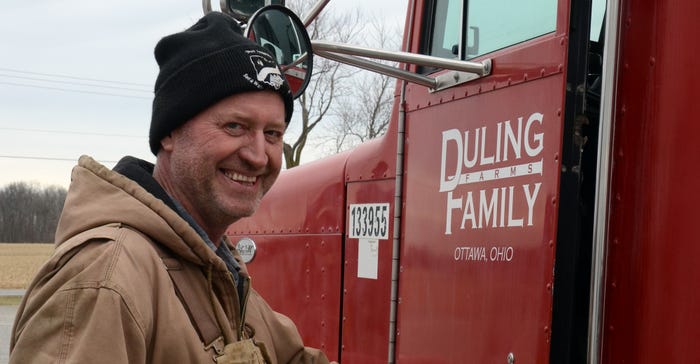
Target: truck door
{"points": [[481, 185]]}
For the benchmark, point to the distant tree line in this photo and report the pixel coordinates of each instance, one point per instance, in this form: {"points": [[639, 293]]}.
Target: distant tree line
{"points": [[29, 213]]}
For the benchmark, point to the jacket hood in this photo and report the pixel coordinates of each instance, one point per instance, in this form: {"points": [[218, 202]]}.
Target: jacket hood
{"points": [[99, 196]]}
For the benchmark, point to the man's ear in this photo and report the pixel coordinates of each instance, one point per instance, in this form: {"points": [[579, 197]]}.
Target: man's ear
{"points": [[166, 143]]}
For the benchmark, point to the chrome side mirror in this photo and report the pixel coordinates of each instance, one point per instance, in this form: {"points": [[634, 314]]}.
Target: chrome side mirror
{"points": [[280, 31]]}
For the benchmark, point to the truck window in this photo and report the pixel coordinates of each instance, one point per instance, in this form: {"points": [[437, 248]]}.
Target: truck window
{"points": [[446, 28], [597, 16], [490, 25]]}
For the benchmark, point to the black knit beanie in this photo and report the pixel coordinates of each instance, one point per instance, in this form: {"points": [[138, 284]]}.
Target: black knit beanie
{"points": [[205, 64]]}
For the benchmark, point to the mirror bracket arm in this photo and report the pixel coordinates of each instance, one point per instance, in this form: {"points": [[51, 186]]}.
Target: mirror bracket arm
{"points": [[480, 68], [313, 14], [380, 68], [441, 82]]}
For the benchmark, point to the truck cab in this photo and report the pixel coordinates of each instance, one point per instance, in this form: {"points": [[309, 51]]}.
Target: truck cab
{"points": [[517, 210]]}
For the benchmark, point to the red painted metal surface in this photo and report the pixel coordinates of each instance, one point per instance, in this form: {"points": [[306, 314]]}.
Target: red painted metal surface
{"points": [[298, 265], [366, 301], [651, 307], [299, 276], [482, 291]]}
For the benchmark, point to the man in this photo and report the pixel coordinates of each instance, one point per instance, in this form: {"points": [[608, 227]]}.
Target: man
{"points": [[142, 272]]}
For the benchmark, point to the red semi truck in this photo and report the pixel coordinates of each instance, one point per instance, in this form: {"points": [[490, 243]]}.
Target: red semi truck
{"points": [[534, 199]]}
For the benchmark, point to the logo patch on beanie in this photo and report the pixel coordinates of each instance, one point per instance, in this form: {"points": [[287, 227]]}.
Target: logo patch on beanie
{"points": [[266, 71]]}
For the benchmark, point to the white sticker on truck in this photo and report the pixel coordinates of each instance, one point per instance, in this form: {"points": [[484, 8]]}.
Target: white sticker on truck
{"points": [[368, 258]]}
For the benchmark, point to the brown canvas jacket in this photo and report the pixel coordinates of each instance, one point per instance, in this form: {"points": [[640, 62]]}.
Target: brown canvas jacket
{"points": [[105, 296]]}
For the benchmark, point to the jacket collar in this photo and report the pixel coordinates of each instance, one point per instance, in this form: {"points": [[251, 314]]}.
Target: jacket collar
{"points": [[131, 196]]}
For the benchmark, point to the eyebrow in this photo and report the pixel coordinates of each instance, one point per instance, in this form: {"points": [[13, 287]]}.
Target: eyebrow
{"points": [[235, 115]]}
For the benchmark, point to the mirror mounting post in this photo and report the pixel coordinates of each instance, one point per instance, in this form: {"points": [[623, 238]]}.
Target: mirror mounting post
{"points": [[206, 6], [313, 14]]}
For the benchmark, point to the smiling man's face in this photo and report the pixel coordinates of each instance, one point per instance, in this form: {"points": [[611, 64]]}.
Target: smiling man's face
{"points": [[219, 164]]}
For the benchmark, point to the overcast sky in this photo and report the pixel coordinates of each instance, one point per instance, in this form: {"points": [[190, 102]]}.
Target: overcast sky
{"points": [[76, 78]]}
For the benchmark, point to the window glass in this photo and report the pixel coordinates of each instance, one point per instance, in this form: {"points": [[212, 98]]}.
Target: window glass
{"points": [[447, 28], [501, 23], [491, 25], [597, 15]]}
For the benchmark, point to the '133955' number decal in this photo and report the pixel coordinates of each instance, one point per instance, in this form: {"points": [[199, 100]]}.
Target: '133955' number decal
{"points": [[370, 220]]}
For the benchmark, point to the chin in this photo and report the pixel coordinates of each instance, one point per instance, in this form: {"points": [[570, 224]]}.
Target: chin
{"points": [[241, 211]]}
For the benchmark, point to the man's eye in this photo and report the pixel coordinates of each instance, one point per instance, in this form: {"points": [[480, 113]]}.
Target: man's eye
{"points": [[274, 135], [235, 128]]}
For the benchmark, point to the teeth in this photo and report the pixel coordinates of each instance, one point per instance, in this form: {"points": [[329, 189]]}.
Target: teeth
{"points": [[239, 177]]}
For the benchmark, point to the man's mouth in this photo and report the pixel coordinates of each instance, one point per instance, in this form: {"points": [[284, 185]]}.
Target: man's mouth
{"points": [[237, 177]]}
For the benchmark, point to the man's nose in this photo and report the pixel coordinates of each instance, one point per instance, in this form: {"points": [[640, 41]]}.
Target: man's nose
{"points": [[253, 152]]}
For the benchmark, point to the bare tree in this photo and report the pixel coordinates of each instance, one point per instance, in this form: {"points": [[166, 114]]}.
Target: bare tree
{"points": [[355, 104], [327, 81], [364, 111], [363, 114], [29, 213]]}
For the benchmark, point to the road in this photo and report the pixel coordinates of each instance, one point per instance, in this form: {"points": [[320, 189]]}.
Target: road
{"points": [[7, 316]]}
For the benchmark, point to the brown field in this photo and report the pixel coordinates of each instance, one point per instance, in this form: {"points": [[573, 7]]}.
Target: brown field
{"points": [[20, 262]]}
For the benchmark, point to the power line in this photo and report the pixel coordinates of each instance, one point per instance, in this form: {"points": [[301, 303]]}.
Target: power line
{"points": [[48, 158], [72, 90], [72, 132], [74, 83], [73, 77]]}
